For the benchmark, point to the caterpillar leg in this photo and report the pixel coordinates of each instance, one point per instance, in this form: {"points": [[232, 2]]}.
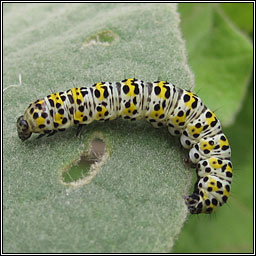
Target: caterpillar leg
{"points": [[40, 136], [189, 163], [79, 129], [193, 203], [51, 133]]}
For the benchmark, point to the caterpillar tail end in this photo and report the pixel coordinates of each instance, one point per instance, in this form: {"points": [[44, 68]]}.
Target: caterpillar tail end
{"points": [[193, 203]]}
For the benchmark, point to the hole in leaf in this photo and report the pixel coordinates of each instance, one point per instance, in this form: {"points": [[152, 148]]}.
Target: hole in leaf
{"points": [[82, 170], [105, 38]]}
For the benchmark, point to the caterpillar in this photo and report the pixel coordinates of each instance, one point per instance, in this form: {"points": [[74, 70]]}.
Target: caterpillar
{"points": [[161, 103]]}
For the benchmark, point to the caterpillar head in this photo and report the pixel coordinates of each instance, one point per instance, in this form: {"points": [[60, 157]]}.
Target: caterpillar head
{"points": [[23, 128]]}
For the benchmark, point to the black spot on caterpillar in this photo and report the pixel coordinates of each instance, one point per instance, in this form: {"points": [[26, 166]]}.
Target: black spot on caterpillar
{"points": [[161, 103]]}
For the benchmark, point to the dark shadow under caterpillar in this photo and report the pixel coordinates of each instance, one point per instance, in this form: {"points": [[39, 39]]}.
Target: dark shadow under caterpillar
{"points": [[161, 103]]}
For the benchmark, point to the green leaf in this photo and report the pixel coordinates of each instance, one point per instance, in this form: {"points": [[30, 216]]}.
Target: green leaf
{"points": [[220, 56], [135, 201], [241, 14]]}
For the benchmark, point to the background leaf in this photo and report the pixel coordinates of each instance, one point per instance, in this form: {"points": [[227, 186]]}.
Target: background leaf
{"points": [[230, 230], [135, 202], [241, 14], [219, 55]]}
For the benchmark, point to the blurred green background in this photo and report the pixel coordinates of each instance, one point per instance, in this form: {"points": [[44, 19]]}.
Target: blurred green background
{"points": [[230, 230]]}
